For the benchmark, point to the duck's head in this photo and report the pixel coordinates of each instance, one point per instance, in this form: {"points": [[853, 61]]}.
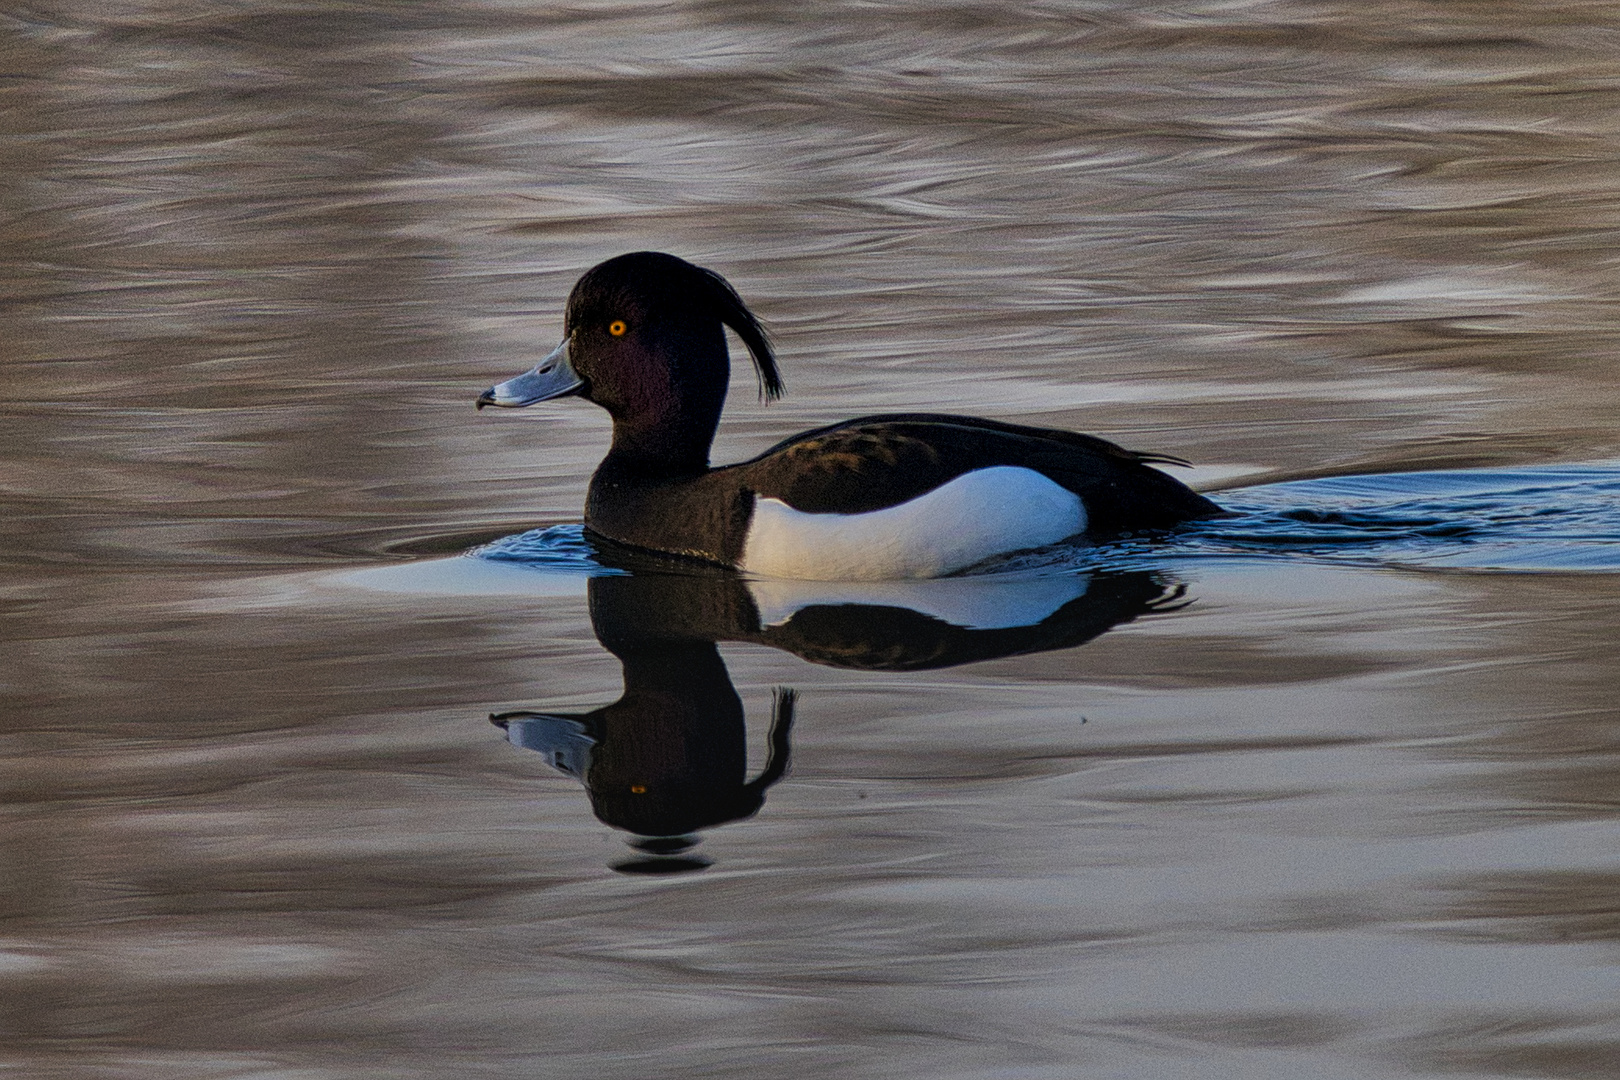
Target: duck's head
{"points": [[643, 338]]}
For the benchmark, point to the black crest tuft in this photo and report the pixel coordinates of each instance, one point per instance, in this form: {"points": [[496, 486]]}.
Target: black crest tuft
{"points": [[735, 314]]}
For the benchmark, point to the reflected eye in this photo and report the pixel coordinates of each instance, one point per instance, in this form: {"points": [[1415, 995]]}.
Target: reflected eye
{"points": [[617, 328], [635, 789]]}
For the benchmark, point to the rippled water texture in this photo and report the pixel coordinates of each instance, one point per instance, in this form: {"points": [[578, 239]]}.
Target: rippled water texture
{"points": [[1323, 789]]}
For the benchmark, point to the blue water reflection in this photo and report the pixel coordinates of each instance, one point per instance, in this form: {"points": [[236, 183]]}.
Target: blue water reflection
{"points": [[1539, 518]]}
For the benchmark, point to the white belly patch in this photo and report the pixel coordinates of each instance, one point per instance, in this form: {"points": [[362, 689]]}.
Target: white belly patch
{"points": [[979, 514]]}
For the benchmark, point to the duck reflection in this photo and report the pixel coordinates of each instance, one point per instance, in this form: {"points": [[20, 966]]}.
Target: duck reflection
{"points": [[669, 758]]}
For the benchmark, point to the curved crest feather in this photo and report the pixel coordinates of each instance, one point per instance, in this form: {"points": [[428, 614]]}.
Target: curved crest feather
{"points": [[735, 314]]}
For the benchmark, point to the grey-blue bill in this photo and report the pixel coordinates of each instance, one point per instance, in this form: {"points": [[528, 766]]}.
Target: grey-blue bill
{"points": [[552, 377]]}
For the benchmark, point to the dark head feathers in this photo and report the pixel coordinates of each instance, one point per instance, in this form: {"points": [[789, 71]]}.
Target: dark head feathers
{"points": [[652, 280]]}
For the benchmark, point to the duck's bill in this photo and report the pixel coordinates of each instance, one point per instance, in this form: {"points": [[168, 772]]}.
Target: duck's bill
{"points": [[552, 377], [563, 738]]}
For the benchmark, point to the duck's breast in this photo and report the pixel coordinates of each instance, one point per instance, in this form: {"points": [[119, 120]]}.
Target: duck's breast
{"points": [[963, 521]]}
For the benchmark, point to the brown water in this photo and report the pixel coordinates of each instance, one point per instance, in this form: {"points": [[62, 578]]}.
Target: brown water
{"points": [[1325, 821]]}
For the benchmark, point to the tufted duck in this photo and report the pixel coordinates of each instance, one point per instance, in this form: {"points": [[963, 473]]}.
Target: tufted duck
{"points": [[901, 495]]}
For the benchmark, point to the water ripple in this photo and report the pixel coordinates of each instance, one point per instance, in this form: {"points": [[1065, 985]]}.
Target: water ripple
{"points": [[1538, 518], [560, 549]]}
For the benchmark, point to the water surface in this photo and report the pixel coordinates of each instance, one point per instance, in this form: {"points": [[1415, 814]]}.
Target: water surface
{"points": [[1325, 789]]}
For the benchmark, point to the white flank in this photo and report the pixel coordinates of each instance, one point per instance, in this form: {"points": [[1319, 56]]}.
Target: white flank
{"points": [[977, 515], [983, 602]]}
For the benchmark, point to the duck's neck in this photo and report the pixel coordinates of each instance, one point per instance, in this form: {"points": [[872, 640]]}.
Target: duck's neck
{"points": [[664, 425], [661, 447]]}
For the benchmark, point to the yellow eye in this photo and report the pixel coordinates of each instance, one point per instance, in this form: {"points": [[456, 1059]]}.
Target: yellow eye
{"points": [[617, 328], [635, 789]]}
